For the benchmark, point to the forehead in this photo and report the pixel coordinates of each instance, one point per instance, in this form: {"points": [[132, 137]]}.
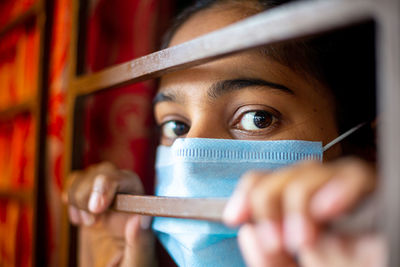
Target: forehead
{"points": [[209, 20], [249, 64], [206, 21]]}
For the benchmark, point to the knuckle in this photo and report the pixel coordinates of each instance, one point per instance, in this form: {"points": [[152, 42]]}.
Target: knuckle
{"points": [[265, 195], [265, 200], [253, 175], [80, 198], [106, 166], [72, 178], [362, 174], [249, 180], [296, 193], [308, 164], [354, 167], [353, 163]]}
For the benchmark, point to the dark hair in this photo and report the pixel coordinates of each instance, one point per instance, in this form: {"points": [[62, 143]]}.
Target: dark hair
{"points": [[343, 60]]}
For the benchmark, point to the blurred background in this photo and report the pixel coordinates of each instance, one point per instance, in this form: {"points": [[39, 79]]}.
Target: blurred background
{"points": [[35, 39]]}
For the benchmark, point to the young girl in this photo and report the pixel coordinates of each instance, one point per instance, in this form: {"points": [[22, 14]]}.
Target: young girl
{"points": [[303, 90]]}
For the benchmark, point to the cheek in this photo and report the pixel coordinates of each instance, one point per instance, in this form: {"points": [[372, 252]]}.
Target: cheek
{"points": [[305, 121], [328, 131], [321, 126], [320, 108], [324, 123]]}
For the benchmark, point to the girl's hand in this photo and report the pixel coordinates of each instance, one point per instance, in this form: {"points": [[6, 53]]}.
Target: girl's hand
{"points": [[283, 212], [108, 238]]}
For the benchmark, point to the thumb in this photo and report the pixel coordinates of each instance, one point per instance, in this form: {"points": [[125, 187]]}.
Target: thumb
{"points": [[139, 243]]}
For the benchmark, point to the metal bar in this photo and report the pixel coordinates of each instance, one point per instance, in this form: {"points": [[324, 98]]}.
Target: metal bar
{"points": [[276, 25], [189, 208], [388, 46]]}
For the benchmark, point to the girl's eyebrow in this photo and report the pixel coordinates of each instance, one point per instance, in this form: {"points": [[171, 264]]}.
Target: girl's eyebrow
{"points": [[226, 86], [222, 87], [163, 97]]}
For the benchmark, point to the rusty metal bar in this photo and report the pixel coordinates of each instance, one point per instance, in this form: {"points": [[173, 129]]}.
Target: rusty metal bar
{"points": [[276, 25], [189, 208]]}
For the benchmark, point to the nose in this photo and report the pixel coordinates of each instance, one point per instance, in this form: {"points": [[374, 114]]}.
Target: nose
{"points": [[208, 128]]}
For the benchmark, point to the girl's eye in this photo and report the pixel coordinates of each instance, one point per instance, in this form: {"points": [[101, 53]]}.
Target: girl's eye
{"points": [[174, 129], [256, 120]]}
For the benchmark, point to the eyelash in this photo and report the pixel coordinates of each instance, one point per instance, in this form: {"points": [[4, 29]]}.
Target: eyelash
{"points": [[164, 124], [273, 113], [236, 125]]}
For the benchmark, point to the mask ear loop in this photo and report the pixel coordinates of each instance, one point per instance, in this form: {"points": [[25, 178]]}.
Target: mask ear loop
{"points": [[343, 136]]}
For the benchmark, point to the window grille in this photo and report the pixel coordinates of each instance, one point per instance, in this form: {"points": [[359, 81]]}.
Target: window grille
{"points": [[300, 19]]}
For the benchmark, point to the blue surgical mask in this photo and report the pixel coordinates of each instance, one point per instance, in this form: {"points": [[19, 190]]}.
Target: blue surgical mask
{"points": [[201, 168]]}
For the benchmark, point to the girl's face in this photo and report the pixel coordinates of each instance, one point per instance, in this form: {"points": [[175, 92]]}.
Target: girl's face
{"points": [[243, 96]]}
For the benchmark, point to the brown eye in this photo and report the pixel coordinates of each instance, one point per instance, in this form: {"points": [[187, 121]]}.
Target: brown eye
{"points": [[174, 129], [256, 120]]}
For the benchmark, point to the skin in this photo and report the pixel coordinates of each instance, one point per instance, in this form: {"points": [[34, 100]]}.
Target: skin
{"points": [[281, 214], [306, 113]]}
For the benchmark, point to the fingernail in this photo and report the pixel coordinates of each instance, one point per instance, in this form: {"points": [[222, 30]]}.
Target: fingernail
{"points": [[87, 218], [73, 215], [294, 232], [328, 200], [100, 184], [269, 235], [232, 209], [145, 222], [95, 202]]}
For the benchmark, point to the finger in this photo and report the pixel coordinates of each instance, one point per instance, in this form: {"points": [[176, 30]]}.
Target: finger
{"points": [[255, 250], [98, 247], [237, 209], [116, 260], [299, 228], [79, 190], [139, 246], [69, 181], [351, 182], [135, 227], [106, 185], [258, 196], [110, 219], [87, 218], [102, 194], [103, 167], [74, 215], [81, 183], [269, 234], [266, 195], [367, 250], [129, 183]]}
